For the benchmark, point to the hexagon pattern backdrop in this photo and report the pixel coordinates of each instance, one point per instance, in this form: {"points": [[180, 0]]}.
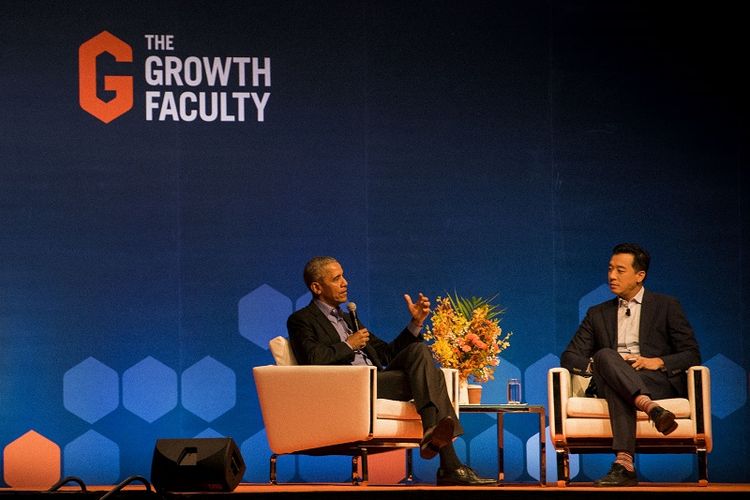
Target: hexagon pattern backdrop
{"points": [[147, 259]]}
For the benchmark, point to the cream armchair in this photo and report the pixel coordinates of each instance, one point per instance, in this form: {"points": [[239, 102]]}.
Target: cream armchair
{"points": [[333, 410], [578, 424]]}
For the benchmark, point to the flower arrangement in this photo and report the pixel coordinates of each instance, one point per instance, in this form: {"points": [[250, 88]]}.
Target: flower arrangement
{"points": [[466, 335]]}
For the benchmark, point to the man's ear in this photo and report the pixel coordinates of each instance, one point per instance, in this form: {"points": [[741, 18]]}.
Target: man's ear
{"points": [[642, 275], [315, 288]]}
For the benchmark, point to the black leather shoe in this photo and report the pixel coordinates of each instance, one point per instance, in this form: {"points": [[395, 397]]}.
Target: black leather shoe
{"points": [[463, 476], [663, 420], [618, 476], [437, 437]]}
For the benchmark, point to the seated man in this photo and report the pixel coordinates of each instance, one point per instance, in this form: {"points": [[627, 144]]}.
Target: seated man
{"points": [[638, 347], [321, 334]]}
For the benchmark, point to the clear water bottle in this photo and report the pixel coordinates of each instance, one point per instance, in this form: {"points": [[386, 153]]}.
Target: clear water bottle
{"points": [[514, 391]]}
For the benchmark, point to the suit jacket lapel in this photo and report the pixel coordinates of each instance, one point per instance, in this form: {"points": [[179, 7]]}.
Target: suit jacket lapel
{"points": [[324, 323], [647, 316], [368, 349], [610, 316]]}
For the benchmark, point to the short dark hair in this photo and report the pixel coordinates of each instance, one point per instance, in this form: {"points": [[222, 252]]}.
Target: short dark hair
{"points": [[314, 269], [641, 258]]}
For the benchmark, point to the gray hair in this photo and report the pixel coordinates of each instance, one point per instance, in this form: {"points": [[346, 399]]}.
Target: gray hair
{"points": [[314, 269]]}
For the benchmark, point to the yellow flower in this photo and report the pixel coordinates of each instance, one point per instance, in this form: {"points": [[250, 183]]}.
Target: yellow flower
{"points": [[469, 344]]}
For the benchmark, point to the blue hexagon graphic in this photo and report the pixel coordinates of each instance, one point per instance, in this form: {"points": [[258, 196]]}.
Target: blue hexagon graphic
{"points": [[536, 379], [303, 301], [731, 394], [93, 458], [208, 389], [209, 433], [653, 467], [262, 315], [532, 458], [596, 296], [256, 453], [484, 454], [596, 465], [91, 390], [425, 470], [149, 389]]}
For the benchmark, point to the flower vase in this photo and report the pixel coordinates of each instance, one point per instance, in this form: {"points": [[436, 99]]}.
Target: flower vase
{"points": [[463, 391]]}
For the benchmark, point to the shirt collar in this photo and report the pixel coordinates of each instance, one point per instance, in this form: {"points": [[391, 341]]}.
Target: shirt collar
{"points": [[638, 298], [326, 308]]}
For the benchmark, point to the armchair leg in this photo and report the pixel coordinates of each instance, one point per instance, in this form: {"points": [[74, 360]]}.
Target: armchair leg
{"points": [[409, 479], [272, 469], [365, 470], [702, 467], [356, 480], [563, 467]]}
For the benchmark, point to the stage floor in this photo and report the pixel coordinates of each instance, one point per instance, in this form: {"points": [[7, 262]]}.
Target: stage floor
{"points": [[577, 491]]}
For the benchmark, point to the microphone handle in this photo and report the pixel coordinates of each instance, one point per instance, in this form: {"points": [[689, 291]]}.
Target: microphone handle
{"points": [[355, 320]]}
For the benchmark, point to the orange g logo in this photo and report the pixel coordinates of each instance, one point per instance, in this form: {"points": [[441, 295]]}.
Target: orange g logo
{"points": [[122, 86]]}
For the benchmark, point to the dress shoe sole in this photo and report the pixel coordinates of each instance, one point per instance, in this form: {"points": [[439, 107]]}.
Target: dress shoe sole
{"points": [[440, 436], [461, 483], [629, 482]]}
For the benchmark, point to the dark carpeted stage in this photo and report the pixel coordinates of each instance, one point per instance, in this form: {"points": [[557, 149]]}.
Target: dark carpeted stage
{"points": [[579, 491]]}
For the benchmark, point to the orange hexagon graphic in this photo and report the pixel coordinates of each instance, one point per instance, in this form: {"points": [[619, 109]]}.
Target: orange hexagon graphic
{"points": [[31, 461]]}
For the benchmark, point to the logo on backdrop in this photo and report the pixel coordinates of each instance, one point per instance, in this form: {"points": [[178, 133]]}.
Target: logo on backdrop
{"points": [[178, 89]]}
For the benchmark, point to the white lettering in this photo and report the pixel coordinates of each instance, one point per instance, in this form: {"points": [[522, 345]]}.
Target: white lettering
{"points": [[169, 108], [205, 116], [172, 69], [154, 76], [225, 116], [265, 71], [260, 105], [193, 71], [151, 105], [217, 68], [185, 114], [240, 96], [241, 62]]}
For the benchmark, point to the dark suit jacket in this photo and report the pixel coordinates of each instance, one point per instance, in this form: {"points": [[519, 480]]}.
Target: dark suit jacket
{"points": [[664, 333], [316, 342]]}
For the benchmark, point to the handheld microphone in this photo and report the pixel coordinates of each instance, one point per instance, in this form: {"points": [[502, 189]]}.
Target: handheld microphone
{"points": [[353, 313]]}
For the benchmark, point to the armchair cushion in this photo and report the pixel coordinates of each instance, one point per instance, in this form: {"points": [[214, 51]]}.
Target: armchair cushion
{"points": [[282, 352], [597, 408]]}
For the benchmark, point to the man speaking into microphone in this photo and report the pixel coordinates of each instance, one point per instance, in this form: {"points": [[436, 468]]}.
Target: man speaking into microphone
{"points": [[322, 334]]}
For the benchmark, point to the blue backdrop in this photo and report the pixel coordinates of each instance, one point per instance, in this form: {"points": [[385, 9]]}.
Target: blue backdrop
{"points": [[482, 147]]}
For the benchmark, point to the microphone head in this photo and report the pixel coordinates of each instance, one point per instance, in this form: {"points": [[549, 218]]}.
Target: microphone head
{"points": [[352, 307]]}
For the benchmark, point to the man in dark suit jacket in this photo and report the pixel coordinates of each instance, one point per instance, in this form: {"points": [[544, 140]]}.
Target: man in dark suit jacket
{"points": [[638, 348], [322, 334]]}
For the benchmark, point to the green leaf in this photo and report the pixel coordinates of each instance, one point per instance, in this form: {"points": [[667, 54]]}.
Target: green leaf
{"points": [[465, 306]]}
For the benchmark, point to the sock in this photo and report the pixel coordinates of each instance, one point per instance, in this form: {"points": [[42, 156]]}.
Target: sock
{"points": [[448, 458], [626, 460], [645, 403], [429, 416]]}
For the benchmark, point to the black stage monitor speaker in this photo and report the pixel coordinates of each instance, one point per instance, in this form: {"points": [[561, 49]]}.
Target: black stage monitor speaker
{"points": [[200, 464]]}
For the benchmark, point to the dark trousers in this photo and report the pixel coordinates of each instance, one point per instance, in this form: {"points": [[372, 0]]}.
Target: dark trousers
{"points": [[412, 374], [619, 384]]}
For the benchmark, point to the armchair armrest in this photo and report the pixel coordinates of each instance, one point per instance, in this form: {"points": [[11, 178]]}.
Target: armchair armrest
{"points": [[303, 407], [558, 391], [699, 394], [453, 385]]}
